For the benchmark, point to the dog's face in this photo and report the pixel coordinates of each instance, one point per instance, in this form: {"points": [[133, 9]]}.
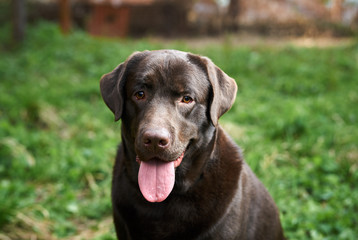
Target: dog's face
{"points": [[169, 103]]}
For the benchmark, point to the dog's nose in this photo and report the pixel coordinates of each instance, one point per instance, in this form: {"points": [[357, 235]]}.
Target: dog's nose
{"points": [[157, 139]]}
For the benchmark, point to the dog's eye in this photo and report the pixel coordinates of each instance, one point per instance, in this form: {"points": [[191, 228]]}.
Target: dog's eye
{"points": [[186, 99], [139, 95]]}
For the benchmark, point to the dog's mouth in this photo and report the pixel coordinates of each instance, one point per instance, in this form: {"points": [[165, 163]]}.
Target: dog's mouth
{"points": [[156, 177], [177, 161]]}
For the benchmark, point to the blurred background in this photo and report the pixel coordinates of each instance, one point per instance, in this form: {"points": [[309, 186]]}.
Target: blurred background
{"points": [[295, 116], [190, 17]]}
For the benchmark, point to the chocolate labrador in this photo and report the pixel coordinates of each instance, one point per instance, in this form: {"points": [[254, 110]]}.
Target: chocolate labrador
{"points": [[177, 174]]}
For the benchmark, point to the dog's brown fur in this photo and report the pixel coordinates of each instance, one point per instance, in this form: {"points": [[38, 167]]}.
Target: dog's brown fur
{"points": [[216, 195]]}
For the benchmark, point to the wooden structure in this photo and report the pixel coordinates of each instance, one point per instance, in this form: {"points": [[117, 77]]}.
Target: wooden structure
{"points": [[120, 18], [112, 17]]}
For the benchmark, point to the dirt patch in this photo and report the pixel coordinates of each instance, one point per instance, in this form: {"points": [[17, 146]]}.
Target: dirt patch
{"points": [[250, 40]]}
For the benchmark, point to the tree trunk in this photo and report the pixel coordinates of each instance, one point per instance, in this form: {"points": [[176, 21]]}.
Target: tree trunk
{"points": [[65, 16], [19, 20], [233, 14], [337, 10]]}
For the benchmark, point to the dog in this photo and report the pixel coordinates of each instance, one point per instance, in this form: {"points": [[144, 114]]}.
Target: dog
{"points": [[177, 174]]}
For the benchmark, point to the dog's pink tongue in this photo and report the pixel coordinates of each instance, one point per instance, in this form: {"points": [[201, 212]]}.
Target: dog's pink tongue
{"points": [[156, 179]]}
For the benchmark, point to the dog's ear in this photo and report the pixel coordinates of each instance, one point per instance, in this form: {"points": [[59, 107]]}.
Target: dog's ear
{"points": [[112, 84], [224, 88], [111, 92]]}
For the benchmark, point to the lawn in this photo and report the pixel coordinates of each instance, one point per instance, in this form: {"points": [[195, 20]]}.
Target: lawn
{"points": [[295, 117]]}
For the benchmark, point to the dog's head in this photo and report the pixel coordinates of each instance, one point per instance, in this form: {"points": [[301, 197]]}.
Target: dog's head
{"points": [[169, 102]]}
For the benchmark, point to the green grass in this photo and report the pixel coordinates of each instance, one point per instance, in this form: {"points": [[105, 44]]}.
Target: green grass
{"points": [[296, 117]]}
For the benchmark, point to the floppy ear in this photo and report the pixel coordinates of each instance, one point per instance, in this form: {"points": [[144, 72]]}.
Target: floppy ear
{"points": [[224, 88], [111, 90], [112, 84]]}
